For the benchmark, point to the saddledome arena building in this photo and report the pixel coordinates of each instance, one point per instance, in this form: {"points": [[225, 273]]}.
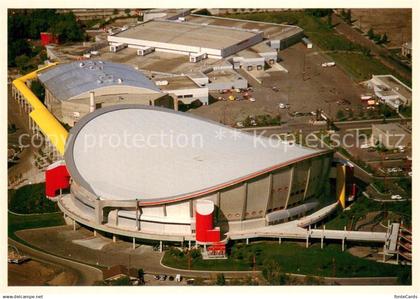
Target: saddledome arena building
{"points": [[200, 181]]}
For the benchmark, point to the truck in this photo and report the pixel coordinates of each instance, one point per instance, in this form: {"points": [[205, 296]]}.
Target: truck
{"points": [[143, 51], [196, 57], [117, 47], [328, 64]]}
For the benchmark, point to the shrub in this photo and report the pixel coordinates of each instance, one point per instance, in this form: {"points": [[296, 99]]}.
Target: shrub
{"points": [[220, 280], [31, 199], [273, 273], [195, 253]]}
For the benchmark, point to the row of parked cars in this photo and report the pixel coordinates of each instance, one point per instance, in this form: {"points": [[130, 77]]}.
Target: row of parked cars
{"points": [[164, 277]]}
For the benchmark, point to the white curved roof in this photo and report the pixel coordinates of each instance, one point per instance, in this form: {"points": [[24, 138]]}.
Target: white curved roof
{"points": [[151, 166], [72, 79]]}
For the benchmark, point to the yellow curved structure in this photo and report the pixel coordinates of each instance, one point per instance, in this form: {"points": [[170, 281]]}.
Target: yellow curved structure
{"points": [[341, 185], [48, 124]]}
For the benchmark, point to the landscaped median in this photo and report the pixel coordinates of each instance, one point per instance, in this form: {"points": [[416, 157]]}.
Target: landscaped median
{"points": [[290, 258]]}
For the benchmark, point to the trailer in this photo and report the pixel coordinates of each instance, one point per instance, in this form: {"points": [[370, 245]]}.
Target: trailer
{"points": [[117, 47], [143, 51], [328, 64], [196, 57], [307, 42]]}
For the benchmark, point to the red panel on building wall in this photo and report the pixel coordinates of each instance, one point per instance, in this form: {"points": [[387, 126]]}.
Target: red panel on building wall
{"points": [[56, 177], [48, 38], [213, 235]]}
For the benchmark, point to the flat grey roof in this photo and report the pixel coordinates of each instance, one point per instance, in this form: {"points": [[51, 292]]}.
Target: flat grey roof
{"points": [[271, 30], [176, 82], [188, 34], [396, 85], [176, 154], [65, 81]]}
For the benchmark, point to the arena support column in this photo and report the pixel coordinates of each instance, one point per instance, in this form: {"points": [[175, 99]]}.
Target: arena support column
{"points": [[98, 211]]}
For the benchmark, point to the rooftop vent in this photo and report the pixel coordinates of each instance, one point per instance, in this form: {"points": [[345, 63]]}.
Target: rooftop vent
{"points": [[162, 82]]}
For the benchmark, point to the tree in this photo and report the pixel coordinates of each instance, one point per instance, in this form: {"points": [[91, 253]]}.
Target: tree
{"points": [[329, 20], [68, 29], [318, 12], [22, 62], [127, 11], [370, 33], [140, 275], [220, 280], [366, 51], [384, 38], [38, 90], [123, 281], [340, 114], [17, 48], [348, 16], [273, 273]]}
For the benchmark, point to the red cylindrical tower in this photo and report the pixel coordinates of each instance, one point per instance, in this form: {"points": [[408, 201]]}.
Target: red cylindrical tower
{"points": [[56, 177], [203, 219]]}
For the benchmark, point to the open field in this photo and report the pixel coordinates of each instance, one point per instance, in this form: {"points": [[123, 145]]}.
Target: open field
{"points": [[35, 273], [396, 23], [327, 39]]}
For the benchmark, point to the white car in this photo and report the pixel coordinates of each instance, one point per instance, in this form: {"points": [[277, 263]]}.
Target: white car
{"points": [[252, 99], [396, 196], [282, 106]]}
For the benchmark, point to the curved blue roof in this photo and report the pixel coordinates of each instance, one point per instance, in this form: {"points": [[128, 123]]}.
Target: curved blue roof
{"points": [[68, 80]]}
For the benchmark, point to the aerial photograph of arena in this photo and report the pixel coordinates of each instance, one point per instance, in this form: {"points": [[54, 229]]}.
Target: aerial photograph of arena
{"points": [[240, 146]]}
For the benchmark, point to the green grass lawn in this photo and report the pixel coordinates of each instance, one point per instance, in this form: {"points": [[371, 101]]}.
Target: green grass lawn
{"points": [[16, 223], [360, 67], [357, 63], [362, 206], [293, 258]]}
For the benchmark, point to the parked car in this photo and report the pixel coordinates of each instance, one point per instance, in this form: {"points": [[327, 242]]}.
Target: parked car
{"points": [[396, 197]]}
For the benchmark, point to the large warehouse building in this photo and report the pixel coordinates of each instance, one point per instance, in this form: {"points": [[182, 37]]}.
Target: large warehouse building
{"points": [[145, 172], [187, 38]]}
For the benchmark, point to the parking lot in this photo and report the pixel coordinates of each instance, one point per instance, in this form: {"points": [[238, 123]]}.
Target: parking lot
{"points": [[305, 87]]}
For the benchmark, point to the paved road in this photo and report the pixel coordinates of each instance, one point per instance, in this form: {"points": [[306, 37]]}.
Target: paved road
{"points": [[87, 275]]}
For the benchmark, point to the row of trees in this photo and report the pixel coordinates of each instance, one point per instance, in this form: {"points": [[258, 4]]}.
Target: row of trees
{"points": [[377, 38], [26, 25], [346, 15]]}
